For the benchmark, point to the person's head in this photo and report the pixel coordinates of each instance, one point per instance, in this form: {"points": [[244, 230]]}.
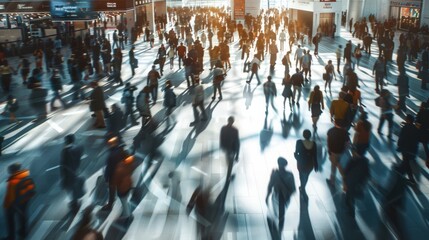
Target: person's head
{"points": [[308, 51], [341, 95], [299, 46], [316, 88], [69, 139], [282, 162], [304, 52], [56, 71], [168, 84], [153, 67], [231, 120], [297, 70], [127, 85], [340, 46], [345, 89], [114, 107], [306, 134], [132, 48], [13, 168], [146, 89], [269, 78], [329, 61]]}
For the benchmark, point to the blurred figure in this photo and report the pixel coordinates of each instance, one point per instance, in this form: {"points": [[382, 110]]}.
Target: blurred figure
{"points": [[281, 187], [422, 123], [198, 102], [56, 87], [306, 157], [142, 104], [356, 175], [69, 166], [84, 229], [122, 180], [20, 189], [200, 200], [297, 83], [37, 101], [128, 100], [11, 107], [255, 65], [97, 105], [133, 61], [380, 73], [115, 121], [316, 105], [408, 145], [386, 102], [169, 101], [270, 92], [403, 89], [361, 139], [338, 139], [152, 82], [230, 144], [116, 155]]}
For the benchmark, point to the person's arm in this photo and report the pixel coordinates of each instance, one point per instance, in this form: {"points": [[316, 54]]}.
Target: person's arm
{"points": [[322, 101], [310, 100], [270, 186]]}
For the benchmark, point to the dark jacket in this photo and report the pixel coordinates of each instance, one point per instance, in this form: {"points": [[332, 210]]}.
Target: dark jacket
{"points": [[56, 83], [337, 139], [306, 158], [116, 155], [356, 174], [69, 164], [229, 139], [407, 141], [97, 99], [115, 121]]}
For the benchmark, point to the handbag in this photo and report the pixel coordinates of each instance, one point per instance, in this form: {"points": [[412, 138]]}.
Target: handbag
{"points": [[156, 61], [325, 77]]}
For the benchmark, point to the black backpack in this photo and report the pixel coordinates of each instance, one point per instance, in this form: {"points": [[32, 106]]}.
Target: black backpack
{"points": [[24, 190]]}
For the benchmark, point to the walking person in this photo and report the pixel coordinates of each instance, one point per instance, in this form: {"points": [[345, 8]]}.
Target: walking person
{"points": [[286, 62], [37, 101], [69, 166], [357, 54], [162, 52], [361, 139], [181, 54], [316, 40], [386, 102], [255, 65], [171, 55], [287, 91], [422, 123], [338, 53], [280, 187], [408, 145], [282, 39], [12, 106], [132, 60], [298, 56], [152, 81], [380, 73], [116, 155], [123, 183], [143, 106], [169, 101], [97, 105], [355, 178], [338, 139], [229, 142], [24, 65], [330, 73], [270, 92], [128, 100], [6, 72], [198, 102], [306, 157], [56, 87], [316, 105], [19, 191], [218, 77], [403, 89], [297, 82]]}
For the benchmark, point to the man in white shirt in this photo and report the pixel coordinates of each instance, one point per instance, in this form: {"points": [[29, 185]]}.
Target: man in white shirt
{"points": [[282, 40]]}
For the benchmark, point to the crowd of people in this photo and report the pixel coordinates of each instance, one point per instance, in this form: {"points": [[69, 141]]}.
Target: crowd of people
{"points": [[94, 57]]}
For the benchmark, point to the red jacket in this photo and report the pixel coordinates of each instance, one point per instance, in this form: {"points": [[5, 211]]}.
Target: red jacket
{"points": [[12, 182]]}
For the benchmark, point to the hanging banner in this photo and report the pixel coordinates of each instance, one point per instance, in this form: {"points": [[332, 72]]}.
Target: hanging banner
{"points": [[239, 6]]}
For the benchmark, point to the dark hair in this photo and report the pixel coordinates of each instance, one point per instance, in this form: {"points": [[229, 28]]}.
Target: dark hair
{"points": [[14, 167], [69, 139], [306, 134], [282, 162]]}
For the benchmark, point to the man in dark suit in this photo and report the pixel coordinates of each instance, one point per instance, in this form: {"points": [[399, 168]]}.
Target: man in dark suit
{"points": [[69, 165], [230, 144]]}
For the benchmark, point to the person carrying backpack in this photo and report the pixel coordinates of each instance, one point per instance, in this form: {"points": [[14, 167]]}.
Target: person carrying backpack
{"points": [[306, 157], [20, 190]]}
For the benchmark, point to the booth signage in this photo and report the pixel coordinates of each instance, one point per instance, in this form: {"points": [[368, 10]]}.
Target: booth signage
{"points": [[405, 3], [24, 6], [239, 9]]}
